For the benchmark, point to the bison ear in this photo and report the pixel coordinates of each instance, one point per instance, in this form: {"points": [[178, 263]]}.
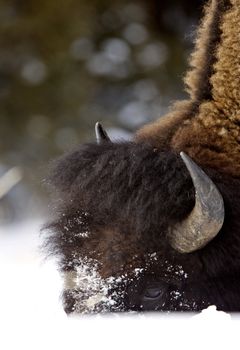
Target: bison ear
{"points": [[101, 134], [207, 216]]}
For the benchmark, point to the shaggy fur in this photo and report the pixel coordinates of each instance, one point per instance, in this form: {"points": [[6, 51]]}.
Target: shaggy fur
{"points": [[118, 187], [115, 202], [207, 126]]}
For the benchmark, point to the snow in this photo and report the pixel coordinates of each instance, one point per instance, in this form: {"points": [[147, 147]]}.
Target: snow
{"points": [[31, 316]]}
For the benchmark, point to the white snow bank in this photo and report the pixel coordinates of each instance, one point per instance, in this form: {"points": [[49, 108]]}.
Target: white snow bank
{"points": [[31, 316]]}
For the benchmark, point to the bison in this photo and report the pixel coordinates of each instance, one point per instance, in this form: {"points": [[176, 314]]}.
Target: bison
{"points": [[154, 223]]}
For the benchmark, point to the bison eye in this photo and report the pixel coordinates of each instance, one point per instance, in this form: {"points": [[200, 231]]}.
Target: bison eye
{"points": [[154, 293]]}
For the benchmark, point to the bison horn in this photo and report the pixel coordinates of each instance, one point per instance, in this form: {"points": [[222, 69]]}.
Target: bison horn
{"points": [[101, 134], [207, 216]]}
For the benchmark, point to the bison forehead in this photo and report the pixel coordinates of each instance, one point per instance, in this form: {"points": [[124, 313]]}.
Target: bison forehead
{"points": [[145, 185], [126, 163]]}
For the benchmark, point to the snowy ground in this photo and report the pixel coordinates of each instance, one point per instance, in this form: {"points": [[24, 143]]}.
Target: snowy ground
{"points": [[31, 316]]}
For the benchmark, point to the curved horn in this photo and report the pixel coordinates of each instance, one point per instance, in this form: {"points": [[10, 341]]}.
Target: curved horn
{"points": [[207, 216], [101, 134]]}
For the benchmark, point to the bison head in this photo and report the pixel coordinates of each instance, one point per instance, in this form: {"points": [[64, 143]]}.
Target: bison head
{"points": [[137, 228]]}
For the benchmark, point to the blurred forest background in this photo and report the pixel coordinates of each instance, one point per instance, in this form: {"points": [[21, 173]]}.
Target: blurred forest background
{"points": [[65, 64]]}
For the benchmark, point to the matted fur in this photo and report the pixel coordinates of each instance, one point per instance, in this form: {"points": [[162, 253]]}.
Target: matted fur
{"points": [[116, 202]]}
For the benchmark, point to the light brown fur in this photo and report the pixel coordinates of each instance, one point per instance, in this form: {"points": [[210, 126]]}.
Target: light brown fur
{"points": [[207, 126]]}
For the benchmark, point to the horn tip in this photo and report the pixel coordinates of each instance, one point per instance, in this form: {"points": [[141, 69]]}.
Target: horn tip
{"points": [[184, 156], [98, 128], [98, 125], [190, 164], [101, 134]]}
